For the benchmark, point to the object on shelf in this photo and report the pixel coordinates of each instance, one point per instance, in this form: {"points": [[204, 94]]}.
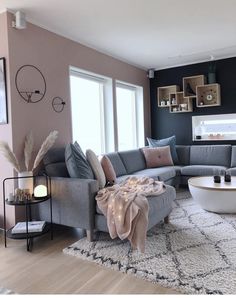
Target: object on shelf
{"points": [[190, 84], [33, 227], [40, 191], [189, 90], [184, 104], [211, 76]]}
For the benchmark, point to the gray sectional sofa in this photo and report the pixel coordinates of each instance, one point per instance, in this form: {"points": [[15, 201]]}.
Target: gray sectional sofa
{"points": [[74, 199]]}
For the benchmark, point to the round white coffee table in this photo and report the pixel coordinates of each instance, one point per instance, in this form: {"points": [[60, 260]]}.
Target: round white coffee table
{"points": [[215, 197]]}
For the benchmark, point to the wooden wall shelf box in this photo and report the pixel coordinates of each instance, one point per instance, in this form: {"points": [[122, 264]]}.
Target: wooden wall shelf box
{"points": [[163, 95], [208, 96]]}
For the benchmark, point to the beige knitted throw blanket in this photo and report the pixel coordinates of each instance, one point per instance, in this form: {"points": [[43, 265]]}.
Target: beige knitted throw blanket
{"points": [[126, 207]]}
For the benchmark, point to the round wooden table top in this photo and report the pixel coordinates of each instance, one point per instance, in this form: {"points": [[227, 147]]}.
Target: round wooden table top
{"points": [[207, 182]]}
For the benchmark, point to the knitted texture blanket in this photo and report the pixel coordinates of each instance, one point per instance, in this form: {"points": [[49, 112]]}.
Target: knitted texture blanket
{"points": [[126, 208]]}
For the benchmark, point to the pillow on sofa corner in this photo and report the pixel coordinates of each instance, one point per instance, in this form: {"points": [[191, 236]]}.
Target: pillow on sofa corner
{"points": [[76, 163], [108, 169], [96, 167], [171, 141], [158, 157]]}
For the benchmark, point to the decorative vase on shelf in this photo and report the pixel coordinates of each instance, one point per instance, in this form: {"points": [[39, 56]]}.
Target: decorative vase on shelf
{"points": [[26, 183], [211, 78]]}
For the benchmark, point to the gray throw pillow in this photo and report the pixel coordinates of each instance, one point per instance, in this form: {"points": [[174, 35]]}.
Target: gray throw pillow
{"points": [[171, 141], [76, 162]]}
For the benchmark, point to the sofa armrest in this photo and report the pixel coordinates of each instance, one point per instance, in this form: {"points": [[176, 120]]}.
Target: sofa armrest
{"points": [[73, 202]]}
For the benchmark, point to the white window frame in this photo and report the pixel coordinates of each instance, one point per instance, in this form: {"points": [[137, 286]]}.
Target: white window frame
{"points": [[107, 123], [139, 113]]}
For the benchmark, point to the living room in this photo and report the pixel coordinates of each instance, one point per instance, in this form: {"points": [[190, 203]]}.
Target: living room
{"points": [[149, 85]]}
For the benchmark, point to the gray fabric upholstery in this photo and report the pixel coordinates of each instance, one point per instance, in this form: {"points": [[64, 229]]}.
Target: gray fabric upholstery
{"points": [[73, 202], [210, 155], [233, 157], [117, 163], [76, 162], [201, 170], [183, 153], [133, 160], [162, 174], [171, 141], [54, 163], [159, 208]]}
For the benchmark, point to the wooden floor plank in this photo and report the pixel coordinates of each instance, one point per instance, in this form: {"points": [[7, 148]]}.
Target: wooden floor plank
{"points": [[46, 270]]}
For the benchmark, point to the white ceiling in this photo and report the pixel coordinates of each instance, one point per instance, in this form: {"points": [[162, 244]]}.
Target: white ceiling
{"points": [[146, 33]]}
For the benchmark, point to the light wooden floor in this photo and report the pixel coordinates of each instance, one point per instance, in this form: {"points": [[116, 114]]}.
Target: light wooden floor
{"points": [[46, 270]]}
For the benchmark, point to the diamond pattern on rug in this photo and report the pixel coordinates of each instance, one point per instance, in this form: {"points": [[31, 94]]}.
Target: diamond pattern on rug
{"points": [[195, 252]]}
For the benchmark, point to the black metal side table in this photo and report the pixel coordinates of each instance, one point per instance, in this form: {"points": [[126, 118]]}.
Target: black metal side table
{"points": [[27, 204]]}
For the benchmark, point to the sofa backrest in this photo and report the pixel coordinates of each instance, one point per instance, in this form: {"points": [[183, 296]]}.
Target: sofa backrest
{"points": [[183, 153], [54, 163], [210, 155], [117, 163], [133, 160]]}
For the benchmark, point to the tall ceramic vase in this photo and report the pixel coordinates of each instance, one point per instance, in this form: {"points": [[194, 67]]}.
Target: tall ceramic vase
{"points": [[26, 183]]}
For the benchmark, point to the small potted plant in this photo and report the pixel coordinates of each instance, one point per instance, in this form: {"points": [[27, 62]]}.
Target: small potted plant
{"points": [[212, 73]]}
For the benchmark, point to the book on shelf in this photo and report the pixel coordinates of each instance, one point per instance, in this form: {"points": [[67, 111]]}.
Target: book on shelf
{"points": [[33, 227]]}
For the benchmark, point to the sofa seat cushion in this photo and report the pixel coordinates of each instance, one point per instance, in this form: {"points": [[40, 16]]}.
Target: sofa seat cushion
{"points": [[157, 203], [162, 174], [201, 170]]}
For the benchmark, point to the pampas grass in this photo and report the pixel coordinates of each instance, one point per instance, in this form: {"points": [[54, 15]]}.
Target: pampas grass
{"points": [[28, 149], [47, 144], [9, 155], [29, 144]]}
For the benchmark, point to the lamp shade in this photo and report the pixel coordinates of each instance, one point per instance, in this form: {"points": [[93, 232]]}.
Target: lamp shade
{"points": [[40, 191]]}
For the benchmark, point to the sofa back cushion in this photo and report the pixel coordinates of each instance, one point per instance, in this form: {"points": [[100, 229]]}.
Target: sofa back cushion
{"points": [[108, 169], [133, 160], [233, 157], [117, 164], [96, 167], [183, 153], [211, 155], [54, 163], [158, 157]]}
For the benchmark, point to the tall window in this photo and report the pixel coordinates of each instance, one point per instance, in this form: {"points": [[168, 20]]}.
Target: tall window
{"points": [[129, 108], [87, 95], [94, 113]]}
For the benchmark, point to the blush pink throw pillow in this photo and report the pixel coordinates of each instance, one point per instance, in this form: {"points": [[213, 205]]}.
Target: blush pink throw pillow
{"points": [[108, 169], [158, 157]]}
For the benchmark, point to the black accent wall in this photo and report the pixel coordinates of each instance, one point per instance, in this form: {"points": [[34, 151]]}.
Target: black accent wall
{"points": [[165, 124]]}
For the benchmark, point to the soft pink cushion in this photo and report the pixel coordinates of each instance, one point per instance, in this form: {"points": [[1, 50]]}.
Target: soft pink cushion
{"points": [[158, 157], [108, 169]]}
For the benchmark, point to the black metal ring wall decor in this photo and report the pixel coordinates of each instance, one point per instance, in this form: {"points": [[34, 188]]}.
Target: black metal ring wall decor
{"points": [[58, 104], [30, 83]]}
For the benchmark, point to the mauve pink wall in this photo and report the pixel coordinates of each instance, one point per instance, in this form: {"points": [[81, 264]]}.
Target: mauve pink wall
{"points": [[5, 129], [53, 55]]}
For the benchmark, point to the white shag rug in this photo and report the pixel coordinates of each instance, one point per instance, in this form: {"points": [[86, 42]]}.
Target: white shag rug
{"points": [[195, 253]]}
